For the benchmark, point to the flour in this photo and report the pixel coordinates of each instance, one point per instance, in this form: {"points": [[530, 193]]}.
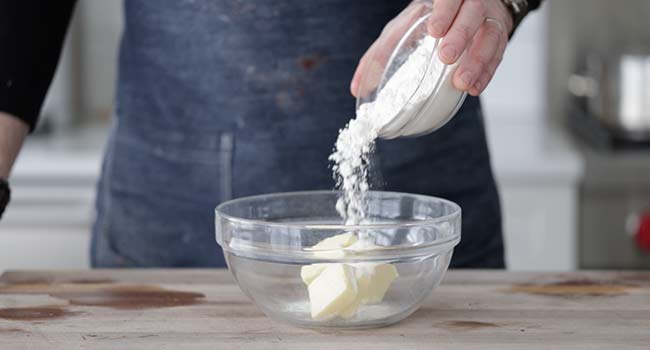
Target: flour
{"points": [[356, 141]]}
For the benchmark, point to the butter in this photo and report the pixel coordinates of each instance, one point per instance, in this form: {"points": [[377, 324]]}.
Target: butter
{"points": [[332, 248], [333, 291], [308, 273], [335, 242], [373, 281], [337, 289], [351, 310]]}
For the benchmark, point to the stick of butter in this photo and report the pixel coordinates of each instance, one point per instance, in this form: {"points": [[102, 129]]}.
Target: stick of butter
{"points": [[370, 280], [351, 310], [373, 281], [335, 242], [332, 291], [308, 273], [332, 247]]}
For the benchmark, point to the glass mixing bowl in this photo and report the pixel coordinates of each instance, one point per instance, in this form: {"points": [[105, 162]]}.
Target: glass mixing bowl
{"points": [[266, 240]]}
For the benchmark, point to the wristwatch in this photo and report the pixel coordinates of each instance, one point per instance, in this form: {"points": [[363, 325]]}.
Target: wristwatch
{"points": [[5, 195], [518, 9]]}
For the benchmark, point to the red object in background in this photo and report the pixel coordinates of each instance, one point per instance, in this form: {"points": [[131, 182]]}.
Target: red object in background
{"points": [[642, 236]]}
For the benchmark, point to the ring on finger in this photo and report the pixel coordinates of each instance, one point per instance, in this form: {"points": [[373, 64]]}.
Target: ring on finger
{"points": [[495, 22]]}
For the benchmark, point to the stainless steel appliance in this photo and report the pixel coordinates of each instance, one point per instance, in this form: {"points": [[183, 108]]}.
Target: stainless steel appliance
{"points": [[617, 89], [610, 112], [615, 210]]}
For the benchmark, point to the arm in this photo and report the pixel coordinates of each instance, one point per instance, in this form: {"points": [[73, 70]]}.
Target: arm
{"points": [[12, 134], [31, 37]]}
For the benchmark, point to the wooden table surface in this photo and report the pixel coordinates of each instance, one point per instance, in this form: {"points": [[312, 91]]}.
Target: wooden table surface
{"points": [[204, 309]]}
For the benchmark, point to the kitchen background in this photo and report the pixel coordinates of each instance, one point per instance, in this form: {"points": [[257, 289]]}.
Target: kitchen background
{"points": [[570, 199]]}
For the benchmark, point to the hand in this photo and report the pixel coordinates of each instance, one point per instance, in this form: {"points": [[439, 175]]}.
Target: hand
{"points": [[482, 28], [374, 60]]}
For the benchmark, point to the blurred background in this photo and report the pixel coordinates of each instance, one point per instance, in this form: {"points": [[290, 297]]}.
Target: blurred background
{"points": [[568, 118]]}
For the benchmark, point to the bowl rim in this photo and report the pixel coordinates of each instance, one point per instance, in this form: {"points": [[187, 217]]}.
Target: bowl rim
{"points": [[403, 224]]}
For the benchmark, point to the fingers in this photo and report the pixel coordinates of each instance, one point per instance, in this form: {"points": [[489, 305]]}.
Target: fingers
{"points": [[371, 66], [370, 69], [363, 69], [442, 15], [485, 78], [484, 55], [354, 84], [469, 19]]}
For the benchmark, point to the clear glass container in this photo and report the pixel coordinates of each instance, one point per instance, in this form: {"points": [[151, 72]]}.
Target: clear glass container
{"points": [[266, 240], [433, 98]]}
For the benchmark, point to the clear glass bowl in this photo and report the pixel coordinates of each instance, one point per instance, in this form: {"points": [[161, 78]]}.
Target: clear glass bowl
{"points": [[266, 240]]}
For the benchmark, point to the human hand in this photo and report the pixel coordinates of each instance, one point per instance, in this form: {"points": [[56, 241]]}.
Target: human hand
{"points": [[482, 28], [372, 64], [479, 26]]}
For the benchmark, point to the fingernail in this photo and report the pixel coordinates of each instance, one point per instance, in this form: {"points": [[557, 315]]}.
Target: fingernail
{"points": [[448, 53], [468, 79], [478, 85]]}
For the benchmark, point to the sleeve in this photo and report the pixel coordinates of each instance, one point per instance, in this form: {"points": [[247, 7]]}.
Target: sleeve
{"points": [[534, 4], [31, 38]]}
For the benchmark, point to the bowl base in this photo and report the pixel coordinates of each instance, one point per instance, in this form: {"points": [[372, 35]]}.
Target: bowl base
{"points": [[339, 324]]}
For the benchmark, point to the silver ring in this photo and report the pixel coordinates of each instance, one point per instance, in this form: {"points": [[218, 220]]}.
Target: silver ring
{"points": [[496, 22]]}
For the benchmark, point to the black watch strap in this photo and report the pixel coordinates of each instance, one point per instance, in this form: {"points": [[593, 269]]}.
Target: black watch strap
{"points": [[519, 9], [5, 195]]}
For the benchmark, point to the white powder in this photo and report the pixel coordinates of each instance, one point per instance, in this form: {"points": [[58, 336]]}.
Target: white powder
{"points": [[356, 141]]}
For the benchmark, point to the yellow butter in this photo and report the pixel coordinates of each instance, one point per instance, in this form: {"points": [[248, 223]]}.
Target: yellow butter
{"points": [[351, 310], [337, 289], [335, 242], [332, 247], [373, 281], [308, 273], [332, 291]]}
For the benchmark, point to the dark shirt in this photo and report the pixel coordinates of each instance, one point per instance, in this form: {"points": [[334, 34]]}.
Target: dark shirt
{"points": [[31, 37]]}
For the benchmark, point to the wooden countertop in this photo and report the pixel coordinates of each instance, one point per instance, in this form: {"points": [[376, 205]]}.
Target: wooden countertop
{"points": [[204, 309]]}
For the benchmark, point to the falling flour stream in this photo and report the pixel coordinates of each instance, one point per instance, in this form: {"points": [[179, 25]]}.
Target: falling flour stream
{"points": [[356, 141]]}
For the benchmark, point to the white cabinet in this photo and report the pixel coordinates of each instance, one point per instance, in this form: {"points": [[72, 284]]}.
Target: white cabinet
{"points": [[47, 224], [537, 168], [56, 247], [538, 172], [540, 227]]}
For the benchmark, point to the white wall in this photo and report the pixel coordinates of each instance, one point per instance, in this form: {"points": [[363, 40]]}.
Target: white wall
{"points": [[537, 168], [517, 90], [82, 91]]}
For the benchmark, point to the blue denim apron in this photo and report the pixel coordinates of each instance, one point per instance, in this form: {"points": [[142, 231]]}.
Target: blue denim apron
{"points": [[221, 98]]}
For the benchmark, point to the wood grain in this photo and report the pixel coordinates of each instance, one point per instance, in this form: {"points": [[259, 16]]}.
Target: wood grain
{"points": [[204, 309]]}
